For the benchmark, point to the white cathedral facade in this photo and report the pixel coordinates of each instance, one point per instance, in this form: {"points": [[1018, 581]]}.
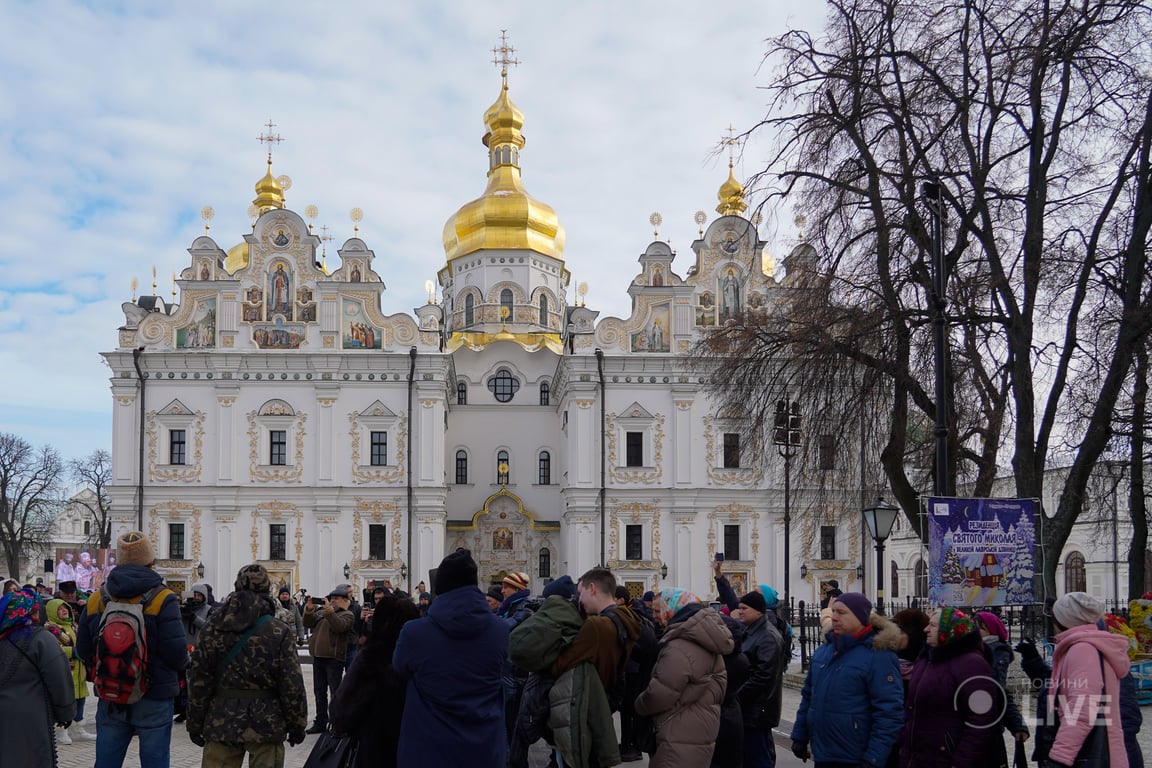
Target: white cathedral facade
{"points": [[282, 412]]}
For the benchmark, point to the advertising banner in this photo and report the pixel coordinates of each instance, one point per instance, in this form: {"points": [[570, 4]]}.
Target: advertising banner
{"points": [[981, 552]]}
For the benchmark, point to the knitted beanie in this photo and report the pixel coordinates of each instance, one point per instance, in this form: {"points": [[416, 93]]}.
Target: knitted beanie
{"points": [[954, 624], [456, 570], [993, 624], [1076, 608], [858, 604], [133, 548], [563, 586], [755, 601], [517, 581]]}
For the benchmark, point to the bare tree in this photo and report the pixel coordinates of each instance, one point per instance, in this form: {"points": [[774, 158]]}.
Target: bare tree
{"points": [[30, 481], [94, 473], [1035, 119]]}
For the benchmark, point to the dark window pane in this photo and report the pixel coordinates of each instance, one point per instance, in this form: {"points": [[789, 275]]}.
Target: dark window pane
{"points": [[633, 542], [827, 542], [544, 311], [545, 393], [1075, 576], [461, 393], [469, 310], [278, 541], [894, 589], [545, 468], [379, 449], [176, 541], [827, 452], [732, 542], [503, 385], [502, 462], [506, 301], [731, 451], [634, 449], [461, 467], [278, 440], [545, 563], [377, 542], [176, 446]]}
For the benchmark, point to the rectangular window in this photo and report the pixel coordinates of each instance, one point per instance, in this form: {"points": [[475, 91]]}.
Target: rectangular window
{"points": [[461, 468], [87, 527], [633, 542], [732, 542], [731, 450], [379, 449], [827, 542], [634, 449], [176, 541], [377, 542], [176, 446], [545, 468], [278, 541], [827, 452], [278, 444]]}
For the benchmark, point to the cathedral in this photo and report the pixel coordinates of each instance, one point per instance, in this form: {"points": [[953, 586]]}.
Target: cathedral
{"points": [[282, 412]]}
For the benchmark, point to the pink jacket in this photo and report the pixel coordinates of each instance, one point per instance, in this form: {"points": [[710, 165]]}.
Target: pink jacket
{"points": [[1076, 677]]}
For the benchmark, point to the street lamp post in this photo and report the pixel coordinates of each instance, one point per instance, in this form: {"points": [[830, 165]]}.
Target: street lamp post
{"points": [[880, 517], [786, 437], [933, 193]]}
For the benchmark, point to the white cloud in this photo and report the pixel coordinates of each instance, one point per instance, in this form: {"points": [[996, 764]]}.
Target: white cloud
{"points": [[117, 126]]}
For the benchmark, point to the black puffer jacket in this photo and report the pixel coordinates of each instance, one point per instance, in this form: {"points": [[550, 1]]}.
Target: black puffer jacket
{"points": [[762, 693]]}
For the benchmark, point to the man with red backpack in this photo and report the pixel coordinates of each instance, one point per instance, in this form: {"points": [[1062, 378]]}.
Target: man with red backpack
{"points": [[132, 639]]}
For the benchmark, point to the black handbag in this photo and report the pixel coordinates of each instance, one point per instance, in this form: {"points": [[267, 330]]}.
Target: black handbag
{"points": [[332, 751], [1020, 760]]}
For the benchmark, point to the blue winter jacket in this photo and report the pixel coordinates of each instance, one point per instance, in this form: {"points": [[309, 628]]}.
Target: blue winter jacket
{"points": [[167, 651], [852, 704], [454, 703]]}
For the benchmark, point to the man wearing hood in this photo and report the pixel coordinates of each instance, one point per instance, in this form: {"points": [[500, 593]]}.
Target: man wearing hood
{"points": [[150, 718], [245, 689], [451, 660], [194, 612]]}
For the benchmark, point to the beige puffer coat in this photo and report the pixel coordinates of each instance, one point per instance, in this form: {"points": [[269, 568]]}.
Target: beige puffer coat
{"points": [[687, 688]]}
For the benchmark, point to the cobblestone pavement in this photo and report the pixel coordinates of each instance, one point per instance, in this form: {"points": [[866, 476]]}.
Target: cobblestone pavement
{"points": [[185, 754]]}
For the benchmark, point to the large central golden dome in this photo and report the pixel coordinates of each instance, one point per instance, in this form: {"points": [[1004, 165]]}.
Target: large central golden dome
{"points": [[505, 216]]}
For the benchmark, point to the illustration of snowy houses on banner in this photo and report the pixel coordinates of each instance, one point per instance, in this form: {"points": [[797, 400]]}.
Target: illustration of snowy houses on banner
{"points": [[981, 552]]}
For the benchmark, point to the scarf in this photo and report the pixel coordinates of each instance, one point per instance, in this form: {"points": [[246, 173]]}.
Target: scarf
{"points": [[17, 613]]}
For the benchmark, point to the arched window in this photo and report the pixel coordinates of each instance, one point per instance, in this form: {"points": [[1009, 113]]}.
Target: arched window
{"points": [[469, 309], [894, 588], [545, 393], [545, 563], [503, 385], [920, 585], [461, 467], [545, 468], [543, 310], [1075, 578], [503, 468], [461, 393], [506, 301]]}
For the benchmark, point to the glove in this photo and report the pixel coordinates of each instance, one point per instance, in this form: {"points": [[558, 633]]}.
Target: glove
{"points": [[197, 739], [1027, 649], [800, 749], [295, 737]]}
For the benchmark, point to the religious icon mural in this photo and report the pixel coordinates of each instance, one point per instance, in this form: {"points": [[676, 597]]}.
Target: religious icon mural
{"points": [[201, 332], [205, 272], [280, 291], [657, 277], [730, 303], [706, 310], [655, 336], [355, 274], [357, 332], [502, 540], [279, 335], [251, 314]]}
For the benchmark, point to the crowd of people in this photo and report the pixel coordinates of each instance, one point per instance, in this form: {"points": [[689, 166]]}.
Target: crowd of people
{"points": [[471, 677]]}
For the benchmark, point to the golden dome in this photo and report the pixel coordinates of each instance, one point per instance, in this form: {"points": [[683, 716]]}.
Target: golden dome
{"points": [[505, 216], [731, 196], [269, 193], [237, 258]]}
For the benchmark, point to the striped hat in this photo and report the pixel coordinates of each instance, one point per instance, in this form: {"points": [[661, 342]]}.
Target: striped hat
{"points": [[517, 581]]}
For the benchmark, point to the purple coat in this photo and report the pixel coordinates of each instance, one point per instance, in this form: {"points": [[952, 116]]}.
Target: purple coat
{"points": [[953, 701]]}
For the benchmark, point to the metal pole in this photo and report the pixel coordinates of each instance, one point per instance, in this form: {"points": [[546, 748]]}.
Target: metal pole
{"points": [[787, 532], [880, 577], [934, 193]]}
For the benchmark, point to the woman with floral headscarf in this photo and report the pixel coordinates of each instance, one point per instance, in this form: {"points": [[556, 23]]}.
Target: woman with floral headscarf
{"points": [[36, 690], [953, 703], [63, 627], [688, 681]]}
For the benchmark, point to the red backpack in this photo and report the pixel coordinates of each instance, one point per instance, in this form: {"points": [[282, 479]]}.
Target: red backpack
{"points": [[121, 673]]}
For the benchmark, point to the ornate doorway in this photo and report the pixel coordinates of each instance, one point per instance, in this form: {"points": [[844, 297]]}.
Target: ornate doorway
{"points": [[504, 537]]}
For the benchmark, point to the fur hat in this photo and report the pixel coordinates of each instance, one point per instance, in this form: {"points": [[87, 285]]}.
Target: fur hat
{"points": [[755, 600], [133, 548], [858, 604], [1076, 608], [563, 586], [251, 578], [517, 581], [456, 570]]}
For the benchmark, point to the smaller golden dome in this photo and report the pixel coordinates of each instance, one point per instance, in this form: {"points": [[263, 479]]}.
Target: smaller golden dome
{"points": [[269, 193], [731, 196], [237, 258]]}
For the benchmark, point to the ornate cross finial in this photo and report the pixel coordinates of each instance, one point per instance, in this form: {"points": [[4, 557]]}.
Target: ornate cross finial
{"points": [[730, 141], [270, 138], [502, 56]]}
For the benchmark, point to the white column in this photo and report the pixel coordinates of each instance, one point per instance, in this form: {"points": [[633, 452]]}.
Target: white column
{"points": [[126, 432], [587, 447], [325, 440], [682, 440], [225, 435]]}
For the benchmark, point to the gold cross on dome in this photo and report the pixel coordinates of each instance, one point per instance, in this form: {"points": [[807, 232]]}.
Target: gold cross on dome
{"points": [[730, 141], [270, 138], [502, 56]]}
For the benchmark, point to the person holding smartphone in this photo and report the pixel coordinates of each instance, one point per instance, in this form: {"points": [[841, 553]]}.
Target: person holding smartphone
{"points": [[332, 627]]}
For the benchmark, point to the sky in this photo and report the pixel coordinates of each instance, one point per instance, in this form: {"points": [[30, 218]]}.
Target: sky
{"points": [[120, 121]]}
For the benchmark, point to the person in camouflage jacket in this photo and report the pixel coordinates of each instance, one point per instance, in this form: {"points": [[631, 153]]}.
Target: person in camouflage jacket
{"points": [[250, 703]]}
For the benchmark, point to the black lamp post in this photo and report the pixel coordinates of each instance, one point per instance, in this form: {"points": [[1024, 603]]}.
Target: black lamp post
{"points": [[404, 573], [933, 196], [786, 437], [880, 517], [200, 569], [663, 571], [347, 570]]}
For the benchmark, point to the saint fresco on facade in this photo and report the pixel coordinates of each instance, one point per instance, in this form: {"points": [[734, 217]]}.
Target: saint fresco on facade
{"points": [[655, 336], [357, 332], [201, 332], [280, 291]]}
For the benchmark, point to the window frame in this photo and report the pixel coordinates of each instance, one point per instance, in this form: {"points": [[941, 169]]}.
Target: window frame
{"points": [[469, 310], [508, 299], [178, 447], [503, 457], [503, 384], [543, 311], [378, 449], [382, 530], [278, 447], [826, 452], [633, 454], [730, 451], [544, 468], [277, 537], [177, 531], [733, 534], [827, 542], [633, 542], [545, 393], [461, 467], [461, 393]]}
